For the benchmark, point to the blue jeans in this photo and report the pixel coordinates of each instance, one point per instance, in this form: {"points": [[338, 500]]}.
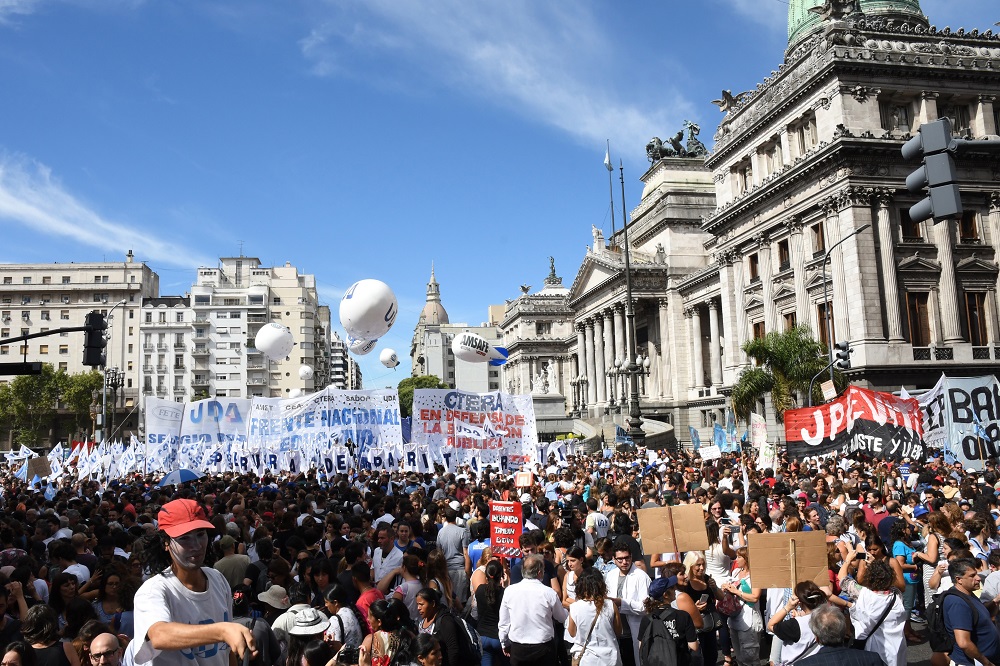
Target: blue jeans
{"points": [[493, 652]]}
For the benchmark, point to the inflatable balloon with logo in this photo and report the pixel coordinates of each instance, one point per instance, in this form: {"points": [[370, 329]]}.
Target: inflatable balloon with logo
{"points": [[368, 309], [305, 372], [274, 341], [388, 358], [473, 348], [360, 347]]}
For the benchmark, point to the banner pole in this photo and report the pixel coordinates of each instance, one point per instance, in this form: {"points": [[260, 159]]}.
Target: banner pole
{"points": [[791, 556]]}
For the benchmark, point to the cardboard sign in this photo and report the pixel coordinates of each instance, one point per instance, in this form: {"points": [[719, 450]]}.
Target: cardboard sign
{"points": [[672, 529], [783, 559], [523, 480], [710, 452], [506, 526], [38, 466]]}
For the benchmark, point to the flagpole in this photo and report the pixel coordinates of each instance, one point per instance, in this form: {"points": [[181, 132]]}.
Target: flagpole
{"points": [[611, 186]]}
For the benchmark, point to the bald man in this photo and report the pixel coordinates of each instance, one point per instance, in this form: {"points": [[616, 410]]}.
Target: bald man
{"points": [[105, 650]]}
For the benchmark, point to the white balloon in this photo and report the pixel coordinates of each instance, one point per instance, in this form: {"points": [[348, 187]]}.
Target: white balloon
{"points": [[368, 309], [305, 372], [275, 341], [468, 346], [388, 358], [359, 346], [296, 393]]}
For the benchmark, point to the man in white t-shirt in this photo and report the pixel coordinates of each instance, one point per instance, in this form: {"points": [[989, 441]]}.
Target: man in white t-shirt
{"points": [[183, 614]]}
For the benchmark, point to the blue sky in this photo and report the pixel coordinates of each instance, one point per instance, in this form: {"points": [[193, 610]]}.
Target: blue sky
{"points": [[358, 138]]}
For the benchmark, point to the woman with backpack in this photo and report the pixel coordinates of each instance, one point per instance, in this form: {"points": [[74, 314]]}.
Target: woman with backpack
{"points": [[593, 623], [438, 621], [667, 636]]}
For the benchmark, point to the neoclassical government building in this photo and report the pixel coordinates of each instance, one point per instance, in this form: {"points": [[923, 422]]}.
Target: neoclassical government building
{"points": [[728, 244]]}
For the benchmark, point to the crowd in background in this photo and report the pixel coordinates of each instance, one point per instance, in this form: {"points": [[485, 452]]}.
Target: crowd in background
{"points": [[378, 569]]}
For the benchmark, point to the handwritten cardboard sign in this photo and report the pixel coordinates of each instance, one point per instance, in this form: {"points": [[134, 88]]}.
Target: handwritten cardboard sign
{"points": [[672, 529], [783, 559], [39, 466], [505, 529]]}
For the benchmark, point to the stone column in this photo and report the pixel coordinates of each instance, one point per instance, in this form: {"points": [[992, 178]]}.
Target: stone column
{"points": [[581, 350], [951, 329], [767, 285], [887, 247], [928, 107], [714, 350], [798, 257], [665, 345], [863, 299], [696, 342], [738, 333], [934, 316], [620, 344], [994, 224], [609, 343], [688, 311], [591, 366], [985, 123], [835, 270], [602, 378]]}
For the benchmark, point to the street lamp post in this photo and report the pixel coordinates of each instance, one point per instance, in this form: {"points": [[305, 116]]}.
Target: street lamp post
{"points": [[114, 379], [635, 415], [104, 395], [826, 299]]}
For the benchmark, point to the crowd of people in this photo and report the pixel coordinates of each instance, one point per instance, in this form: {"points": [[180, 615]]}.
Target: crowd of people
{"points": [[381, 569]]}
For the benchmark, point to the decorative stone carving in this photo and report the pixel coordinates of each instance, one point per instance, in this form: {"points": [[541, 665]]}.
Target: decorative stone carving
{"points": [[793, 224], [994, 200], [883, 196]]}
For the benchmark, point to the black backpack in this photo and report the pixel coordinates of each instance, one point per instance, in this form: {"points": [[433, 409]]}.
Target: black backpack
{"points": [[938, 636], [659, 640]]}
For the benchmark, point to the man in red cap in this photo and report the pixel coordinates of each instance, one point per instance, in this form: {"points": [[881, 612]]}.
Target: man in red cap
{"points": [[183, 613]]}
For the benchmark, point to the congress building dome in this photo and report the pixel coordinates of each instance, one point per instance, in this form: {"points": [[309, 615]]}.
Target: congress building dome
{"points": [[802, 21], [433, 312]]}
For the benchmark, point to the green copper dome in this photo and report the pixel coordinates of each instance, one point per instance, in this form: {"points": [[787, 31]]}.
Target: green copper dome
{"points": [[801, 21]]}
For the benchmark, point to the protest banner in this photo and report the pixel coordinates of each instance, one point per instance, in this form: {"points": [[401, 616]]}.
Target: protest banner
{"points": [[712, 452], [39, 467], [505, 529], [789, 557], [758, 431], [524, 480], [962, 415], [494, 428], [672, 529], [858, 423]]}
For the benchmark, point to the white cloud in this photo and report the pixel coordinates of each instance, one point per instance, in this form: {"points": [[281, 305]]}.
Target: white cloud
{"points": [[546, 61], [768, 13], [30, 196], [10, 9]]}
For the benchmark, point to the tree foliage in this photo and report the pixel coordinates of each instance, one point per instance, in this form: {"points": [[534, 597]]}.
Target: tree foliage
{"points": [[28, 403], [407, 386], [783, 365]]}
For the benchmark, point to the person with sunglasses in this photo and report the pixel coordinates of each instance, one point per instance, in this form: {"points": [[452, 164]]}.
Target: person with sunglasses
{"points": [[106, 650]]}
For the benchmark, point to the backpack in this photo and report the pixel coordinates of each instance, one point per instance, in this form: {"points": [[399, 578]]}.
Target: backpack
{"points": [[472, 645], [659, 640], [938, 636]]}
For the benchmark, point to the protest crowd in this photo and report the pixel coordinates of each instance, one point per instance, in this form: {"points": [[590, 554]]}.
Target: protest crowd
{"points": [[380, 568]]}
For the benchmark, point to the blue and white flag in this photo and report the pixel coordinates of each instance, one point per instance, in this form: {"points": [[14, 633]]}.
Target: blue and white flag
{"points": [[719, 437], [695, 438]]}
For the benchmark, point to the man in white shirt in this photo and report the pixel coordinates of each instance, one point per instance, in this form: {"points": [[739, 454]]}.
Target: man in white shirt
{"points": [[386, 557], [527, 612], [628, 588]]}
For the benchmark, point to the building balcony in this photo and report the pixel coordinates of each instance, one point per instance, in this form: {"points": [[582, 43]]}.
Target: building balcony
{"points": [[256, 381], [200, 319], [200, 338], [162, 346], [179, 346], [199, 381], [253, 352], [200, 351], [257, 319], [149, 347], [178, 367], [161, 369], [161, 391], [148, 369]]}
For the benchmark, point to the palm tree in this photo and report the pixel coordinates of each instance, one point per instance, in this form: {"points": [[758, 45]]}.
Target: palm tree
{"points": [[783, 364]]}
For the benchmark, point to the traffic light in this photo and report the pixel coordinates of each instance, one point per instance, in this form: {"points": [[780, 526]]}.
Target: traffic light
{"points": [[93, 346], [843, 361], [938, 174]]}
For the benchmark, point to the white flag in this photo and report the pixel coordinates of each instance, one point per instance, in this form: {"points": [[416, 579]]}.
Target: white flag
{"points": [[903, 393], [607, 160]]}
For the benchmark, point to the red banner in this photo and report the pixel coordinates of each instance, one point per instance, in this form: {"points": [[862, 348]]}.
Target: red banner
{"points": [[505, 529], [858, 423]]}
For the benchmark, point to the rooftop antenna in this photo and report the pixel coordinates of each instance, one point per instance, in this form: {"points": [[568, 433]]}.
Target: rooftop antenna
{"points": [[241, 247]]}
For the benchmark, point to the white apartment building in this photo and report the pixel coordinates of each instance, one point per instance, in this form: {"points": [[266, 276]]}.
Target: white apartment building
{"points": [[345, 373], [35, 298], [230, 303]]}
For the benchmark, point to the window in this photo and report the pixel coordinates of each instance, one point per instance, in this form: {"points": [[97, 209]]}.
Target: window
{"points": [[543, 328], [824, 319], [100, 298], [758, 330], [256, 300], [772, 157], [975, 310], [202, 300], [276, 300], [819, 239], [26, 280], [130, 348], [23, 350], [959, 116], [754, 268], [4, 351], [909, 230], [162, 319], [784, 257], [790, 321], [65, 279], [43, 349], [918, 319], [221, 378], [236, 315], [47, 279], [63, 366], [968, 227], [179, 318], [131, 331], [805, 135], [45, 315], [743, 173], [64, 314], [25, 315], [131, 314], [178, 360], [232, 301], [4, 332], [895, 116], [8, 280], [222, 315], [149, 318]]}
